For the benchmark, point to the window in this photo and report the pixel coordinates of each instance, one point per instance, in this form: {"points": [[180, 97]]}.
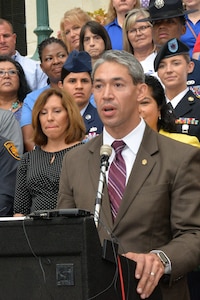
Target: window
{"points": [[14, 12]]}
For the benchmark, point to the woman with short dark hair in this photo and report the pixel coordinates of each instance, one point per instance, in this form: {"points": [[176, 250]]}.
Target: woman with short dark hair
{"points": [[94, 39]]}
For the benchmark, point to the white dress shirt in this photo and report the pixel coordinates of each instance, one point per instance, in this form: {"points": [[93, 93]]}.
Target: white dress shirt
{"points": [[175, 101], [132, 140]]}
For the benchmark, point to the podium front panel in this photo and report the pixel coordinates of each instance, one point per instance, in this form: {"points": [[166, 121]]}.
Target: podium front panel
{"points": [[58, 258]]}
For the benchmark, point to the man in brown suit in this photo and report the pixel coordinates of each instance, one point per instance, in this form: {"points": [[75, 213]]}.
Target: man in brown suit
{"points": [[158, 223]]}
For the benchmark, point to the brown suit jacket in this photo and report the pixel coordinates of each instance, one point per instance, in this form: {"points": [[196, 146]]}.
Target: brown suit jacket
{"points": [[161, 204]]}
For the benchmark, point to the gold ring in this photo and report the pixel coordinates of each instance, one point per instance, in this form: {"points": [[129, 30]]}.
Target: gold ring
{"points": [[152, 274]]}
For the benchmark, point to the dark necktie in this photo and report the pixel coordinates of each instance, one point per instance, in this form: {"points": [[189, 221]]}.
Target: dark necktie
{"points": [[170, 107], [117, 178]]}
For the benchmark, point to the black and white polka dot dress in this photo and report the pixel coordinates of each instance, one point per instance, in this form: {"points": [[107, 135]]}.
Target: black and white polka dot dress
{"points": [[37, 180]]}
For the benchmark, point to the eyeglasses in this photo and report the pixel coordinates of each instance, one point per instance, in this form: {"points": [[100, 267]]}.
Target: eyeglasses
{"points": [[9, 72], [141, 29]]}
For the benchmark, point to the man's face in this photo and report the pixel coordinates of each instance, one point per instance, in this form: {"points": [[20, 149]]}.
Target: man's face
{"points": [[164, 30], [79, 86], [117, 98], [7, 40]]}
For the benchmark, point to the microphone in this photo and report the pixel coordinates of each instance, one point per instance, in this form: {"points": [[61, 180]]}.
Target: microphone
{"points": [[105, 152]]}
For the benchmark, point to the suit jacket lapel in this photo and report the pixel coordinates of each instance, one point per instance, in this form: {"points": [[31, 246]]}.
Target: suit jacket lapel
{"points": [[144, 162], [184, 106]]}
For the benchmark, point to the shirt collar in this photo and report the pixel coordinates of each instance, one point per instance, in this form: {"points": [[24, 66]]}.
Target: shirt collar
{"points": [[175, 101], [132, 140], [14, 56], [114, 22], [83, 110]]}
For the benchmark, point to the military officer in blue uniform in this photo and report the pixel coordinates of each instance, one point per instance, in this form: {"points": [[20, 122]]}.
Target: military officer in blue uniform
{"points": [[76, 80], [9, 159], [173, 65]]}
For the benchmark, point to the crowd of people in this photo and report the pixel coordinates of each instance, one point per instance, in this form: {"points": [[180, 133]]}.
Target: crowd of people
{"points": [[132, 84]]}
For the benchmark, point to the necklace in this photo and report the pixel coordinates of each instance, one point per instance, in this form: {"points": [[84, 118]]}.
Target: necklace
{"points": [[53, 158], [14, 105]]}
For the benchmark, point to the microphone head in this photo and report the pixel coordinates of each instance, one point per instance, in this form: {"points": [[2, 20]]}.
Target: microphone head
{"points": [[105, 150]]}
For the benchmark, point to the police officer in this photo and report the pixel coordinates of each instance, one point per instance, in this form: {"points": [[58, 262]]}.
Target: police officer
{"points": [[9, 159]]}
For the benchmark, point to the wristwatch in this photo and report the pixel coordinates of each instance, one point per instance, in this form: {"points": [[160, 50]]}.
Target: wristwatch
{"points": [[163, 258]]}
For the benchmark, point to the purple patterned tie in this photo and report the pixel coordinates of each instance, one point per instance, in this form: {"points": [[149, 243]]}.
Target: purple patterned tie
{"points": [[117, 178]]}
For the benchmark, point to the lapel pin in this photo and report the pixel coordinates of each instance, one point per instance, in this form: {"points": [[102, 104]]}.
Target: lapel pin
{"points": [[144, 162], [190, 99], [88, 117]]}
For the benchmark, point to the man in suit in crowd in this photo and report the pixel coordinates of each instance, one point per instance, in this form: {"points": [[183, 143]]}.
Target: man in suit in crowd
{"points": [[36, 78], [157, 222], [173, 65], [76, 80]]}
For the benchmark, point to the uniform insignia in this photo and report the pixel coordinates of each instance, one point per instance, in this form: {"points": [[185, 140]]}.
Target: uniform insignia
{"points": [[196, 90], [159, 4], [173, 46], [191, 82], [12, 149], [88, 117], [92, 129], [188, 121], [190, 99], [185, 128], [144, 162]]}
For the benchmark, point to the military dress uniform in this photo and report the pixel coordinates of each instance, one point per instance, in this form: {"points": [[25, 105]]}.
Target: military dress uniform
{"points": [[187, 110], [193, 80], [187, 114], [93, 123], [78, 62], [9, 159]]}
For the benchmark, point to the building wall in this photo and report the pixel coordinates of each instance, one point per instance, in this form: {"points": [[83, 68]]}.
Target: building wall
{"points": [[56, 11]]}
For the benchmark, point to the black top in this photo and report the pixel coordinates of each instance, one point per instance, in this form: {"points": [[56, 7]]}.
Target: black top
{"points": [[37, 181]]}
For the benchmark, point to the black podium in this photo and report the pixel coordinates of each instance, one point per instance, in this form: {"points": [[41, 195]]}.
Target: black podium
{"points": [[60, 258]]}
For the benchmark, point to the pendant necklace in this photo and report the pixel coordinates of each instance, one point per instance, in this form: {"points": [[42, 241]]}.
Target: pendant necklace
{"points": [[53, 158], [14, 105]]}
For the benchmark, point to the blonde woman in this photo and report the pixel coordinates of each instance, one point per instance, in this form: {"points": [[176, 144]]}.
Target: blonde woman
{"points": [[137, 39], [115, 18], [70, 27]]}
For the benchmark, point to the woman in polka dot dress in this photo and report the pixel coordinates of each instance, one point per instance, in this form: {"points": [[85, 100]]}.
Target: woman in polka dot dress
{"points": [[58, 128]]}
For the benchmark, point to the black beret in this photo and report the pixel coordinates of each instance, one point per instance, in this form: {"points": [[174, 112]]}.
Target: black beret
{"points": [[171, 48]]}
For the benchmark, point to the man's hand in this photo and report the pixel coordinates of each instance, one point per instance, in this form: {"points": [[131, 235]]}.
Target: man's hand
{"points": [[149, 270]]}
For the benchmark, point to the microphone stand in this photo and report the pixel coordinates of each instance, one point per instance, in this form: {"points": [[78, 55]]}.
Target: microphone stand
{"points": [[102, 176]]}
